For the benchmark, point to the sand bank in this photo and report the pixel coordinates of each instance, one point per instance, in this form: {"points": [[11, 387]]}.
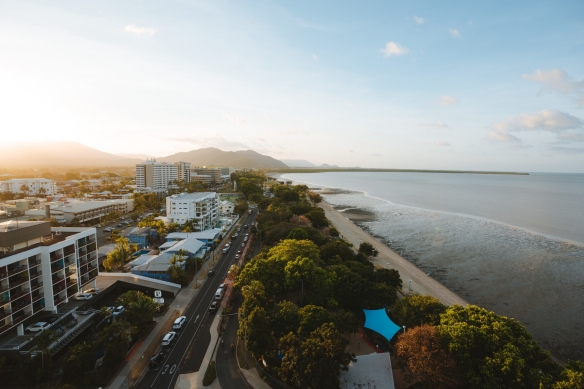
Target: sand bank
{"points": [[414, 279]]}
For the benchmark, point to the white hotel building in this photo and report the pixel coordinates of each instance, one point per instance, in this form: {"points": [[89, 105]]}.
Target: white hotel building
{"points": [[34, 186], [201, 207], [41, 268]]}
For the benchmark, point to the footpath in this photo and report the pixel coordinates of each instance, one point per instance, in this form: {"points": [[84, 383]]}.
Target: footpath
{"points": [[414, 279]]}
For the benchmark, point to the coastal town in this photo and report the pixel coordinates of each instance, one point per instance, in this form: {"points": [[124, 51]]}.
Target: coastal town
{"points": [[223, 288]]}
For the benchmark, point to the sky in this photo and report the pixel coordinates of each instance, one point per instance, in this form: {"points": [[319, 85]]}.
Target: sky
{"points": [[461, 85]]}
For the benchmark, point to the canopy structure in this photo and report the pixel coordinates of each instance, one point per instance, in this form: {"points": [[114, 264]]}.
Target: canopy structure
{"points": [[377, 320]]}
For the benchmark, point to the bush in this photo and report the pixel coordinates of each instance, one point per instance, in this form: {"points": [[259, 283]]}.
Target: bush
{"points": [[210, 374]]}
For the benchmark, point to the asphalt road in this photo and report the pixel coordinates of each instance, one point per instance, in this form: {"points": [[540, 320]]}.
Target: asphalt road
{"points": [[188, 349]]}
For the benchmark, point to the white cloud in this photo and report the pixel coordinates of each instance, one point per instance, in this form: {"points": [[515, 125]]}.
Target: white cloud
{"points": [[447, 101], [392, 48], [454, 33], [566, 150], [314, 57], [438, 124], [442, 143], [148, 31], [237, 120], [557, 80], [419, 20], [557, 122]]}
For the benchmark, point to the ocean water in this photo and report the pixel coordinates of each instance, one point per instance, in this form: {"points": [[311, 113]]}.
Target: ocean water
{"points": [[512, 244]]}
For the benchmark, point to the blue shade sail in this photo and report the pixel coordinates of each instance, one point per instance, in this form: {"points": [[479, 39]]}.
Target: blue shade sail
{"points": [[377, 320]]}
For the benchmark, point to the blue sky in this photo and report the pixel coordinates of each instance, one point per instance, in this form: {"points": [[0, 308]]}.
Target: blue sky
{"points": [[442, 85]]}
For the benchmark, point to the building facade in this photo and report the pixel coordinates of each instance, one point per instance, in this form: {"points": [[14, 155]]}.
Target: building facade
{"points": [[227, 207], [85, 211], [183, 171], [34, 186], [202, 208], [213, 174], [41, 268]]}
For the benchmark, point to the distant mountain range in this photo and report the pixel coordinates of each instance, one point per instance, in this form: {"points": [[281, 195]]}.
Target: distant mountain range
{"points": [[306, 164], [76, 154], [58, 154], [212, 156]]}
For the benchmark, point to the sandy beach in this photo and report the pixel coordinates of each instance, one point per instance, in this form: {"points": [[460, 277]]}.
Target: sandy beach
{"points": [[420, 283]]}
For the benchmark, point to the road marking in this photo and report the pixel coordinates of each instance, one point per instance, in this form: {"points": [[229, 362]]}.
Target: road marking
{"points": [[165, 369], [172, 369], [197, 318]]}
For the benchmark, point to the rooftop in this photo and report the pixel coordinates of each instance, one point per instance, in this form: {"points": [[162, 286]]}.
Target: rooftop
{"points": [[207, 234], [82, 206], [197, 196]]}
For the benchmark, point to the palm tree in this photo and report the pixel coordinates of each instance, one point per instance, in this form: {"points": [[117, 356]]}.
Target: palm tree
{"points": [[42, 191], [24, 189]]}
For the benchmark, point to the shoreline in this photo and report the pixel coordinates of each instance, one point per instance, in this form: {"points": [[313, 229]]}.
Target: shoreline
{"points": [[421, 283], [327, 190]]}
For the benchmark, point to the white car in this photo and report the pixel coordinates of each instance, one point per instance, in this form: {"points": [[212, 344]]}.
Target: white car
{"points": [[36, 327], [83, 296], [168, 338], [222, 286], [93, 291], [179, 322], [118, 311]]}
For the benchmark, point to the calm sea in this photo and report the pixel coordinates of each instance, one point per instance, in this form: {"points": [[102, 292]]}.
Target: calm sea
{"points": [[513, 244]]}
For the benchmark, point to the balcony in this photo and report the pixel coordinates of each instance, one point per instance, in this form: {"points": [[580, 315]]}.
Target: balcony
{"points": [[59, 300], [33, 263], [16, 283], [70, 272], [82, 253], [56, 257], [4, 313], [56, 268], [69, 250], [70, 283], [12, 272], [38, 297], [36, 286], [15, 296], [36, 274], [57, 279]]}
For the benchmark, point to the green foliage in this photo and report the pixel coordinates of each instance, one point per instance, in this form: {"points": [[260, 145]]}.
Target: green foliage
{"points": [[416, 310], [571, 377], [389, 277], [300, 208], [311, 318], [317, 218], [315, 197], [298, 234], [117, 258], [259, 332], [286, 319], [241, 207], [140, 310], [210, 374], [146, 201], [79, 361], [334, 248], [493, 351], [315, 362], [366, 248]]}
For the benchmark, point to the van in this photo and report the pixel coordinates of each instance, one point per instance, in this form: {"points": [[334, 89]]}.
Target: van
{"points": [[219, 294]]}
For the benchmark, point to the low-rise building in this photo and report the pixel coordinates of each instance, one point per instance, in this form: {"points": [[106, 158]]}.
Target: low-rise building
{"points": [[214, 174], [199, 208], [207, 237], [226, 207], [41, 268], [31, 186], [143, 236], [87, 211]]}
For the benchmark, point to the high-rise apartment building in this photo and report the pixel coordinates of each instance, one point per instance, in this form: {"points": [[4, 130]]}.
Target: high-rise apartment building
{"points": [[41, 268], [156, 175]]}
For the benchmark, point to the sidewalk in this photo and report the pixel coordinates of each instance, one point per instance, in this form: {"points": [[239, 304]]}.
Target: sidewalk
{"points": [[421, 283]]}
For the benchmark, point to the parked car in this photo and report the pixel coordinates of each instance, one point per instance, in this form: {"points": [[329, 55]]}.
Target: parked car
{"points": [[246, 226], [243, 245], [225, 250], [239, 251], [36, 327], [118, 311], [168, 339], [157, 360], [179, 322], [239, 229], [211, 273], [83, 296], [222, 286], [108, 229], [227, 246], [93, 291], [214, 305], [236, 256], [235, 236]]}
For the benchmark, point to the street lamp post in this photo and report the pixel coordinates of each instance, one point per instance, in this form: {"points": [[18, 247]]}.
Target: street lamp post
{"points": [[404, 327], [410, 288]]}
